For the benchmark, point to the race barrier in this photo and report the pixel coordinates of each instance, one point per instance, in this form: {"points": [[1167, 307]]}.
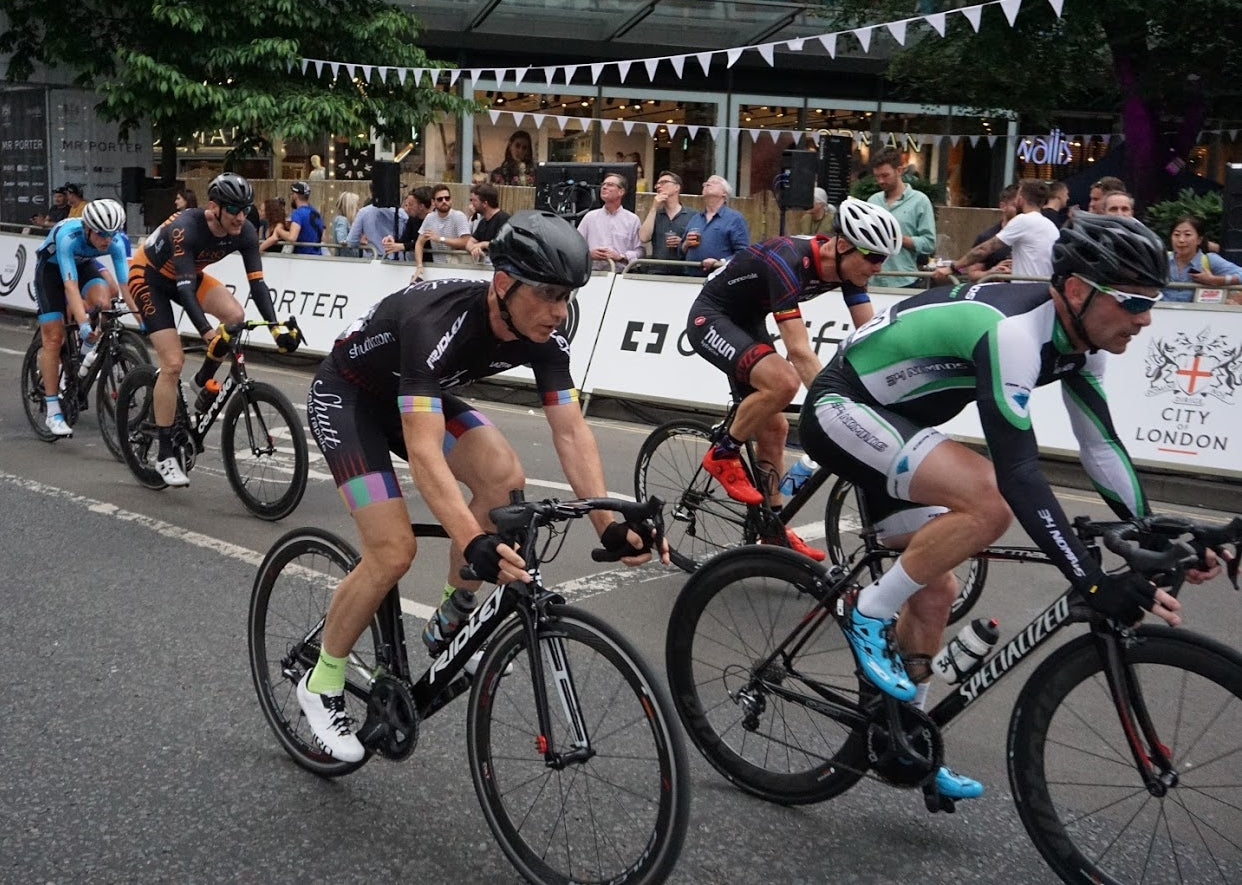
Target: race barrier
{"points": [[1175, 394]]}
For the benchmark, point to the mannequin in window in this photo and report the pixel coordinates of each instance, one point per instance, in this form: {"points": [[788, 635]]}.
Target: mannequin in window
{"points": [[317, 172], [478, 175]]}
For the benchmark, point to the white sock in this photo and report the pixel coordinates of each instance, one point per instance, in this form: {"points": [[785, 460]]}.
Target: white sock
{"points": [[53, 405], [920, 695], [883, 598]]}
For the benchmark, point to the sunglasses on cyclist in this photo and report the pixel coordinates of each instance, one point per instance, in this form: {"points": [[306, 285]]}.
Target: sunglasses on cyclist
{"points": [[872, 257], [236, 209], [1131, 302], [546, 291]]}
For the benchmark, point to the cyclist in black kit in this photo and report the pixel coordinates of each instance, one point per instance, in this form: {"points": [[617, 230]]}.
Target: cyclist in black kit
{"points": [[385, 389], [727, 327], [168, 268]]}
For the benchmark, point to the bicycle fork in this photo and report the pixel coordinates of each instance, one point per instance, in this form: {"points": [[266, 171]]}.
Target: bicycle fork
{"points": [[1151, 755], [549, 662]]}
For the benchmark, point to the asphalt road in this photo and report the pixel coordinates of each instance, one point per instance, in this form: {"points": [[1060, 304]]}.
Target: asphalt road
{"points": [[135, 751]]}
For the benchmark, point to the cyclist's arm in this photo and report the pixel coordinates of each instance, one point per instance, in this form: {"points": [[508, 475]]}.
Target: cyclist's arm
{"points": [[259, 293], [1103, 456], [579, 454], [798, 348]]}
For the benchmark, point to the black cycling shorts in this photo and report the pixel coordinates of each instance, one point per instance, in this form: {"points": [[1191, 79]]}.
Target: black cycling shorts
{"points": [[50, 287], [731, 348]]}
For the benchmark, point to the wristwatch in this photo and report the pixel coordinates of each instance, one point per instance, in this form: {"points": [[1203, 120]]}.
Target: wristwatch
{"points": [[442, 239]]}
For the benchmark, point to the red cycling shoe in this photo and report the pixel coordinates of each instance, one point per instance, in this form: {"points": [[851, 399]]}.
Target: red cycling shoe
{"points": [[801, 546], [732, 477]]}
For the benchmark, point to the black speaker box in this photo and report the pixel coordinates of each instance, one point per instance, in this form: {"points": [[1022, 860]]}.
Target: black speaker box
{"points": [[132, 180], [386, 183], [1231, 220], [802, 167]]}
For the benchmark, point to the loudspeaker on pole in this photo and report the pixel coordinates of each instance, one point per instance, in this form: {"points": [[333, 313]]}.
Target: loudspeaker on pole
{"points": [[802, 167], [386, 183], [132, 180]]}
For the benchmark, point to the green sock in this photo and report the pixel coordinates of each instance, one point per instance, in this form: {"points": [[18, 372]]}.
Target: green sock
{"points": [[328, 677]]}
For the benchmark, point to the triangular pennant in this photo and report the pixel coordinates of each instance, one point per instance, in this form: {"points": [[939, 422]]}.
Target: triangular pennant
{"points": [[830, 44], [518, 119], [454, 73], [569, 70], [1010, 8], [402, 73], [774, 134], [500, 75], [549, 73], [318, 68], [561, 121], [623, 69], [714, 131], [605, 126], [537, 119], [754, 135], [335, 66], [1233, 135], [518, 74], [732, 55], [795, 45], [1056, 6], [974, 140], [694, 132], [474, 73], [898, 30], [305, 64], [351, 70], [864, 37], [936, 20], [595, 71], [627, 125], [678, 62], [705, 62], [1105, 139], [652, 129], [992, 140], [972, 14], [651, 64], [766, 51], [383, 73], [672, 130], [495, 115]]}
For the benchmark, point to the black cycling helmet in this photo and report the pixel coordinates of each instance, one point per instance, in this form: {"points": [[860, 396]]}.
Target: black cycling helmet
{"points": [[1109, 249], [539, 247], [230, 188]]}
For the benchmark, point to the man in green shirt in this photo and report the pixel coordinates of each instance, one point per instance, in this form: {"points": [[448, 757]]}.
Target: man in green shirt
{"points": [[913, 212]]}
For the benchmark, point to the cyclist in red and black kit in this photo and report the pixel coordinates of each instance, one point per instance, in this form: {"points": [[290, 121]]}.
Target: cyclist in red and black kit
{"points": [[168, 268], [385, 388], [727, 327]]}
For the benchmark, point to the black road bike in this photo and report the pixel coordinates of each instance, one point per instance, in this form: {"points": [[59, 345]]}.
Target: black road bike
{"points": [[703, 520], [120, 351], [579, 769], [770, 693], [261, 437]]}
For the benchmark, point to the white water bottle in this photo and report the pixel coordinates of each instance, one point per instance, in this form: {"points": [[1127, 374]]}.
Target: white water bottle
{"points": [[798, 474], [90, 353], [963, 653]]}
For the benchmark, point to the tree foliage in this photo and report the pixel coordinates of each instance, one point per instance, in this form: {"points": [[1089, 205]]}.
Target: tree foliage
{"points": [[185, 67], [1166, 67]]}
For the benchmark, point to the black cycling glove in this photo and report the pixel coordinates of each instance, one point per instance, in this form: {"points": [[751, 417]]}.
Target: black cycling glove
{"points": [[484, 557], [615, 539], [287, 340], [1124, 596]]}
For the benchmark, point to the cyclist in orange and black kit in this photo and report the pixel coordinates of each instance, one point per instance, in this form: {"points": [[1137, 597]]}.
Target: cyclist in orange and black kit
{"points": [[168, 268]]}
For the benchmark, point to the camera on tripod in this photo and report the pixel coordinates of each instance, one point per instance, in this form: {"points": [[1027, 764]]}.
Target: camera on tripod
{"points": [[571, 190]]}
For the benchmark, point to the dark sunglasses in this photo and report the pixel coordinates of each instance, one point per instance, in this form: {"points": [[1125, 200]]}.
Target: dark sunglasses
{"points": [[234, 209], [1131, 302], [443, 199], [872, 257]]}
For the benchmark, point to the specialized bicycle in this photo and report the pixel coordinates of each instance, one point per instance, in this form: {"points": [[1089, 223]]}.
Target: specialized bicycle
{"points": [[261, 437], [703, 520], [579, 769], [120, 350], [770, 693]]}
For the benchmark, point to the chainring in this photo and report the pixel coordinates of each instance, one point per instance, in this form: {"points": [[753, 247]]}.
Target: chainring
{"points": [[890, 760], [392, 720]]}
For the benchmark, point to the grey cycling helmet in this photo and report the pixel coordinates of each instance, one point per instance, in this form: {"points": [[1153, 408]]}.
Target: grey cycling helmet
{"points": [[868, 226], [1109, 249], [104, 216], [539, 247], [231, 188]]}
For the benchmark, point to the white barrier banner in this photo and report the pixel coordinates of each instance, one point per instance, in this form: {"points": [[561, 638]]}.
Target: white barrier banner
{"points": [[17, 264]]}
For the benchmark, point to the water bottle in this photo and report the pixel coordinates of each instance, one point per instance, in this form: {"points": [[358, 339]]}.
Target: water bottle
{"points": [[798, 474], [448, 619], [964, 652], [90, 352], [207, 396]]}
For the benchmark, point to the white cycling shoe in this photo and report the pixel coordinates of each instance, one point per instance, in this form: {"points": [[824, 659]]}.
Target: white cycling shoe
{"points": [[172, 474], [328, 721], [57, 426]]}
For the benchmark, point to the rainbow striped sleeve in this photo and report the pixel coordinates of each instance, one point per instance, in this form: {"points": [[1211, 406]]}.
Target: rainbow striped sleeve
{"points": [[420, 404], [560, 397]]}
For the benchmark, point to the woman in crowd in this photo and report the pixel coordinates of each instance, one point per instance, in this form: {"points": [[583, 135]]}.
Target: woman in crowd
{"points": [[346, 210], [185, 199], [273, 218], [1188, 263]]}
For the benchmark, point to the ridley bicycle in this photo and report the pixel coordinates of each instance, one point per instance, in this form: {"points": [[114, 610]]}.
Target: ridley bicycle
{"points": [[118, 351], [571, 741], [1123, 745], [261, 437]]}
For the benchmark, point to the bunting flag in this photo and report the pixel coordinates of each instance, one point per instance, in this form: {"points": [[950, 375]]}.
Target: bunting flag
{"points": [[864, 38], [898, 30], [651, 64], [677, 61]]}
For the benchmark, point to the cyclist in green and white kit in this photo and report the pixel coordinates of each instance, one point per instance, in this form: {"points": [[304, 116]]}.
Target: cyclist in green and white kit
{"points": [[872, 412]]}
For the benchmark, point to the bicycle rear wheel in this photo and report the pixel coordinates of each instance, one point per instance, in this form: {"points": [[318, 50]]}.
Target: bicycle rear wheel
{"points": [[264, 449], [843, 526], [287, 606], [1074, 779], [700, 519], [756, 721], [33, 401], [115, 366], [135, 344], [620, 814]]}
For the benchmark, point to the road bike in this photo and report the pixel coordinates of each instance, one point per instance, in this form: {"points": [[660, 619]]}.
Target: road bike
{"points": [[119, 350], [261, 436], [579, 769], [703, 520], [1123, 745]]}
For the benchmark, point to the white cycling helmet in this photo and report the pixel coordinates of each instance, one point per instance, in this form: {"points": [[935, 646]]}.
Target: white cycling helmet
{"points": [[868, 226], [104, 216]]}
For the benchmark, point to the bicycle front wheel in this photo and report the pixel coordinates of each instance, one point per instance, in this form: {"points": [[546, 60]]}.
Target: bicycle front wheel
{"points": [[700, 519], [614, 810], [843, 527], [33, 398], [1075, 781], [264, 449], [287, 607], [754, 713], [116, 365]]}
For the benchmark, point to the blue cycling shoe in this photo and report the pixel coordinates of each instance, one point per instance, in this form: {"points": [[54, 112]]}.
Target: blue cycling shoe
{"points": [[952, 785], [868, 637]]}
